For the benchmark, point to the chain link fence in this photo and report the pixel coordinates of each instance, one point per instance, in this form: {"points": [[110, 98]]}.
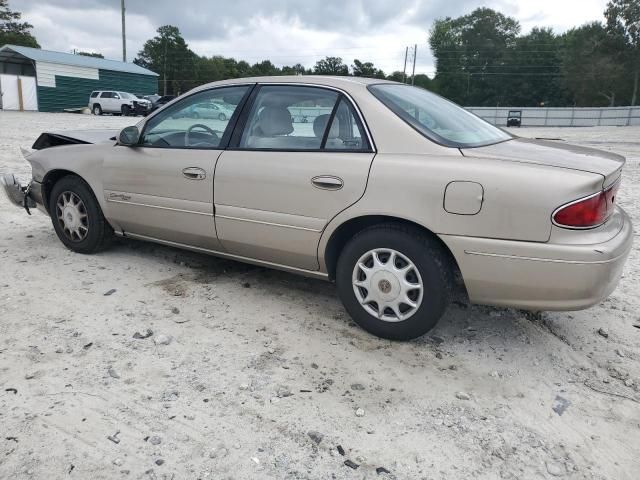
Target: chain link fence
{"points": [[562, 117]]}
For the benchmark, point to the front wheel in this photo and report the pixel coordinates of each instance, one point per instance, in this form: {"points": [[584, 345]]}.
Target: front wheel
{"points": [[394, 281], [126, 110], [222, 117], [77, 217]]}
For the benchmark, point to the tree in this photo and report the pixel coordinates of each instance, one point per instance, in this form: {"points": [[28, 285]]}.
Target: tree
{"points": [[423, 81], [536, 63], [213, 69], [396, 76], [12, 30], [296, 69], [90, 54], [592, 68], [264, 69], [366, 69], [331, 66], [168, 55], [471, 53], [623, 19]]}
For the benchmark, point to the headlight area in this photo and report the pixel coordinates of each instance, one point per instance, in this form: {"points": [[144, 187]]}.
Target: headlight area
{"points": [[18, 194]]}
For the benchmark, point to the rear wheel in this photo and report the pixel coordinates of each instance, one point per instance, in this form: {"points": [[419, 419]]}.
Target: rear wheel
{"points": [[77, 217], [394, 281], [222, 117], [97, 109]]}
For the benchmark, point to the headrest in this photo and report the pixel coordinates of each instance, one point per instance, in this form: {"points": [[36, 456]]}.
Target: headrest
{"points": [[320, 124], [275, 121]]}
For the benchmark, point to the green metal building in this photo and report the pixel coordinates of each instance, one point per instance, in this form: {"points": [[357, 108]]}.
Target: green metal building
{"points": [[64, 80]]}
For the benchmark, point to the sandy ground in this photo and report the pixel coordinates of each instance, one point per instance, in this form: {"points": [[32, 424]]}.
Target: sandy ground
{"points": [[264, 372]]}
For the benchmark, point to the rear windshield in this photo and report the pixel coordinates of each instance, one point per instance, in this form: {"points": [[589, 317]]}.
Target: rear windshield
{"points": [[436, 118]]}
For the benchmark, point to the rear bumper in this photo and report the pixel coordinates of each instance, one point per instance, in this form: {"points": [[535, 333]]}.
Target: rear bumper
{"points": [[542, 276], [27, 197]]}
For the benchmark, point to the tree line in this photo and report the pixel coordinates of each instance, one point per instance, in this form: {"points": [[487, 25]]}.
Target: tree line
{"points": [[481, 59], [181, 69]]}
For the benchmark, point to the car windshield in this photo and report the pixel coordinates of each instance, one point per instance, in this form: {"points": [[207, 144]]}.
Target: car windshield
{"points": [[436, 118], [126, 95]]}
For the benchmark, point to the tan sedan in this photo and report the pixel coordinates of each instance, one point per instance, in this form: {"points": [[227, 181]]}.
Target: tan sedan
{"points": [[388, 190]]}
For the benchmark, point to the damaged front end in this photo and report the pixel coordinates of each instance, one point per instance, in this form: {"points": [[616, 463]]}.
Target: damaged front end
{"points": [[27, 197], [74, 137]]}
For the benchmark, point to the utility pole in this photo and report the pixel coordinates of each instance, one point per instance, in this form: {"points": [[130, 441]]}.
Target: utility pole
{"points": [[124, 35], [404, 72], [164, 68], [415, 54]]}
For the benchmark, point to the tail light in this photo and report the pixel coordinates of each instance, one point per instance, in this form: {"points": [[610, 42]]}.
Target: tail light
{"points": [[587, 212]]}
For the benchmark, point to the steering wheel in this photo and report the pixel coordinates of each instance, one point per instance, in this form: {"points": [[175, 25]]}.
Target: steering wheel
{"points": [[193, 127]]}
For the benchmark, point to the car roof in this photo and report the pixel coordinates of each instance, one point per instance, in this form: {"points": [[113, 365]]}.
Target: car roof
{"points": [[345, 83]]}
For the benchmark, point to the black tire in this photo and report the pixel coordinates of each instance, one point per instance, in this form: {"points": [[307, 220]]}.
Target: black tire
{"points": [[222, 117], [424, 252], [97, 109], [125, 110], [99, 233]]}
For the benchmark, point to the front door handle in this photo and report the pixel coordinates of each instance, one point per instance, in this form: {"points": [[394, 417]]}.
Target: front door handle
{"points": [[194, 173], [327, 182]]}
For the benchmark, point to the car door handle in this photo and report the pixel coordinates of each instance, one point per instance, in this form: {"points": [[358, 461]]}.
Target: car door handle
{"points": [[327, 182], [194, 173]]}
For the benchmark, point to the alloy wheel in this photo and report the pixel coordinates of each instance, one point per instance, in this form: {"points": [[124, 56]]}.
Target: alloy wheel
{"points": [[72, 216]]}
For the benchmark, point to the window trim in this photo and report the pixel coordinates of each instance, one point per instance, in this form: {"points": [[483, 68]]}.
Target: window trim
{"points": [[426, 132], [234, 144], [327, 128], [231, 125]]}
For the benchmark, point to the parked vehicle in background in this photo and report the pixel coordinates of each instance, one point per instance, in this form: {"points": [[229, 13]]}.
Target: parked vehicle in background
{"points": [[160, 101], [123, 103], [152, 98], [210, 110], [391, 191], [515, 118]]}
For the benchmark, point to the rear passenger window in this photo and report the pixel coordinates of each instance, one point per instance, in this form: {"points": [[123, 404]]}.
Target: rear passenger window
{"points": [[106, 95], [286, 118], [94, 94], [289, 117]]}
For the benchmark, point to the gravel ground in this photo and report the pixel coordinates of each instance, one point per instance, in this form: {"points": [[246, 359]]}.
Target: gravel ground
{"points": [[253, 373]]}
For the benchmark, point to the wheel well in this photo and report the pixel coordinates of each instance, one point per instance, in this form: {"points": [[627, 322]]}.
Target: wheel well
{"points": [[347, 230], [49, 180]]}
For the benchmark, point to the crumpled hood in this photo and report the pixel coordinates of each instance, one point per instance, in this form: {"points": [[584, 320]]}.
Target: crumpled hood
{"points": [[70, 137], [554, 154]]}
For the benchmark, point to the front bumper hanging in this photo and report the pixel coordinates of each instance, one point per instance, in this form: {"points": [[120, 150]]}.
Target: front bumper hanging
{"points": [[18, 194]]}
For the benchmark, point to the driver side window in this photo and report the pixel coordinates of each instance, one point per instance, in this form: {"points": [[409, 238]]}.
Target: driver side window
{"points": [[199, 121]]}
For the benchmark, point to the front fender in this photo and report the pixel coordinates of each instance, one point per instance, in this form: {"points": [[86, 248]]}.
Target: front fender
{"points": [[85, 161]]}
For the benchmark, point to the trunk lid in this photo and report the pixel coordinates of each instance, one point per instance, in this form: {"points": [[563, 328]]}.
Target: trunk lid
{"points": [[554, 154]]}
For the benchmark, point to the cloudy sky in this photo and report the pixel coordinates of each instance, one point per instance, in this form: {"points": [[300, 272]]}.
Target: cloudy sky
{"points": [[284, 31]]}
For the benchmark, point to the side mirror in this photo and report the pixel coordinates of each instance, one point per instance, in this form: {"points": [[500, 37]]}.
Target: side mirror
{"points": [[129, 136]]}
